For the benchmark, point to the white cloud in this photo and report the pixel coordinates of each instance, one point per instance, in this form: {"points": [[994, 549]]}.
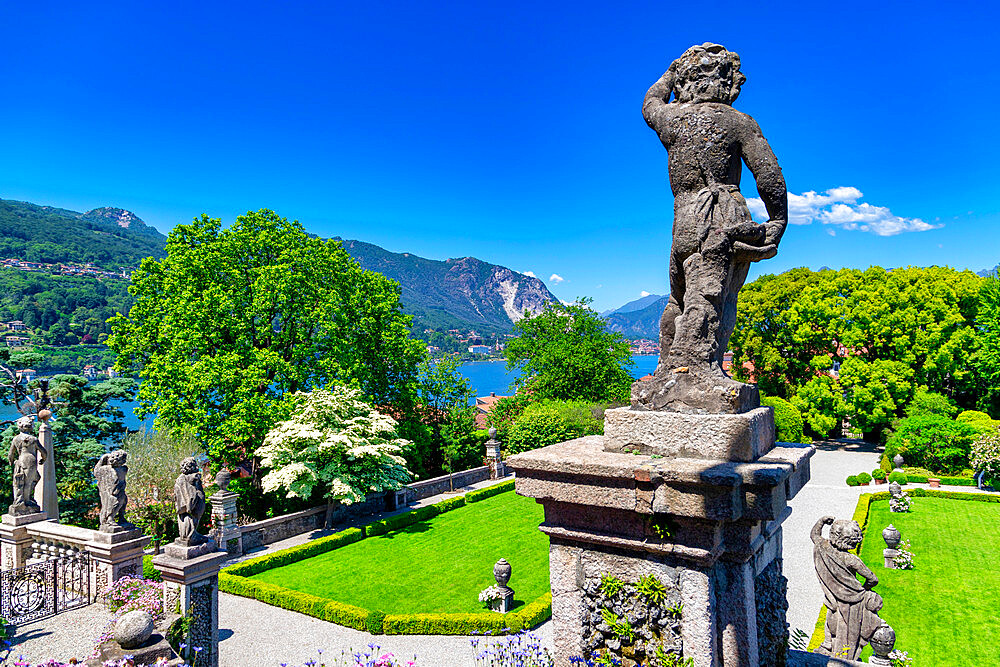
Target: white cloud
{"points": [[841, 207], [556, 278], [600, 286], [643, 293], [530, 274]]}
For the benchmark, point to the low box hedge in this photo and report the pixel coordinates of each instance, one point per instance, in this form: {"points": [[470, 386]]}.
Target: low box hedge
{"points": [[489, 491], [235, 580]]}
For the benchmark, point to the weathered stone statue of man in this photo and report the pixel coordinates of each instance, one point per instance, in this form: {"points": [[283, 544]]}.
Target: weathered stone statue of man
{"points": [[189, 497], [26, 454], [852, 607], [714, 238], [110, 473]]}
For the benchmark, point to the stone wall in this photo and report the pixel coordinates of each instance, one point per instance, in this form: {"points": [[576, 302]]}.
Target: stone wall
{"points": [[259, 533], [435, 485]]}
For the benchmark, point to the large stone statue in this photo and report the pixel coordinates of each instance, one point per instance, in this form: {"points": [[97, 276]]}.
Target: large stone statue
{"points": [[714, 238], [26, 454], [110, 473], [189, 497], [852, 607]]}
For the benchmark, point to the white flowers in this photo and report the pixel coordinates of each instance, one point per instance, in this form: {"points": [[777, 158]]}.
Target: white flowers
{"points": [[900, 659], [900, 503], [903, 560], [491, 596], [337, 440]]}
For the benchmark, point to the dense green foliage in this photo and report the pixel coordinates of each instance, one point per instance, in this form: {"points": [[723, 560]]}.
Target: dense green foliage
{"points": [[46, 234], [976, 419], [934, 442], [893, 332], [548, 422], [988, 325], [393, 570], [232, 320], [928, 403], [952, 560], [787, 419], [62, 310], [505, 411], [566, 353]]}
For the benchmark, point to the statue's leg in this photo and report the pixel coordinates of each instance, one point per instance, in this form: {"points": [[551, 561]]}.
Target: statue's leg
{"points": [[829, 632], [672, 310], [694, 342], [728, 323]]}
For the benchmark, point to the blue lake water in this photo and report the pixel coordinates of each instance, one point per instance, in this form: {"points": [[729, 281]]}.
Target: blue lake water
{"points": [[483, 376]]}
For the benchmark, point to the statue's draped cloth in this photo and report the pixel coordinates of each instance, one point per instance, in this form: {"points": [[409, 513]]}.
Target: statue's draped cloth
{"points": [[853, 606]]}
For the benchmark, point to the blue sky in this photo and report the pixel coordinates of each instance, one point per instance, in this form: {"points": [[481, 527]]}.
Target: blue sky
{"points": [[507, 131]]}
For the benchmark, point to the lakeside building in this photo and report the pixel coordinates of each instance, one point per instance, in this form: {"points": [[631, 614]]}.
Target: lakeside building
{"points": [[484, 405], [479, 349]]}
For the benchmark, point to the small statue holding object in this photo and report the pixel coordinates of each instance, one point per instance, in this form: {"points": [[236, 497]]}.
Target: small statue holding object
{"points": [[189, 497]]}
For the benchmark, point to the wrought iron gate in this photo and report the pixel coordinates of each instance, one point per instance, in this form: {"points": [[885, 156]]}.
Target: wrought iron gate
{"points": [[46, 588]]}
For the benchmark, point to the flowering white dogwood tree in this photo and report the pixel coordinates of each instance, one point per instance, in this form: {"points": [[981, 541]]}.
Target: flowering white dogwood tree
{"points": [[334, 440]]}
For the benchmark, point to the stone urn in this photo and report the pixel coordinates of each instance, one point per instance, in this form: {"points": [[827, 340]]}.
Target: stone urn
{"points": [[501, 572], [897, 460], [222, 479], [895, 490], [883, 639], [892, 536], [45, 414]]}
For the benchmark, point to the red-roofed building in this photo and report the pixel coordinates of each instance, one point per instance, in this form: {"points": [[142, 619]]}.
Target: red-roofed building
{"points": [[484, 405]]}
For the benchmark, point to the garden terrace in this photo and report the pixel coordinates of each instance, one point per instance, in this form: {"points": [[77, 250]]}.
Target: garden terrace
{"points": [[414, 573]]}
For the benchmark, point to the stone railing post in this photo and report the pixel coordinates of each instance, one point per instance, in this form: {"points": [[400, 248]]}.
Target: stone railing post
{"points": [[46, 494], [15, 541], [694, 501], [114, 556], [225, 530], [191, 588], [494, 458]]}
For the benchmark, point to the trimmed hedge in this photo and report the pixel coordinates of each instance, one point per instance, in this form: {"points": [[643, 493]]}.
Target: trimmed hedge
{"points": [[946, 481], [819, 632], [489, 491], [234, 579]]}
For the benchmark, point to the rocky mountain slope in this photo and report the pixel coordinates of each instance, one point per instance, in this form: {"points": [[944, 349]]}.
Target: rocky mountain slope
{"points": [[641, 323]]}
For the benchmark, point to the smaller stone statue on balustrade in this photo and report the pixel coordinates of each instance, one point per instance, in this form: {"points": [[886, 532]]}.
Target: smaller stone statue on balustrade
{"points": [[26, 454], [852, 606], [110, 473], [189, 497]]}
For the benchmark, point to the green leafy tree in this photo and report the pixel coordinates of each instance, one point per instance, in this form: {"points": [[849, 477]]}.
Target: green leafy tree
{"points": [[988, 360], [929, 403], [548, 422], [934, 442], [233, 320], [566, 352], [335, 442], [438, 418]]}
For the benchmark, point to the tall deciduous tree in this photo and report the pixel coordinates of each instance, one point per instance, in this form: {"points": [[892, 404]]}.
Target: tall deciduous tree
{"points": [[988, 327], [566, 352], [233, 320], [892, 332]]}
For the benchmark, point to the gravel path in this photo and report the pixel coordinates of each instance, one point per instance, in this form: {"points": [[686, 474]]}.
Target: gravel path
{"points": [[68, 635]]}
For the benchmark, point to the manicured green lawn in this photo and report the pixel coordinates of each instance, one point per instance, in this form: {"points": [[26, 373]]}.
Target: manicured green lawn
{"points": [[435, 566], [944, 611]]}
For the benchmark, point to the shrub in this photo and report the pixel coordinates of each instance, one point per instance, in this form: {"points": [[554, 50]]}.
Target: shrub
{"points": [[489, 491], [373, 624], [878, 474], [885, 464], [505, 411], [148, 571], [295, 554], [986, 457], [899, 477], [787, 419], [979, 420], [409, 518], [934, 442], [549, 422], [864, 478], [852, 480], [930, 403]]}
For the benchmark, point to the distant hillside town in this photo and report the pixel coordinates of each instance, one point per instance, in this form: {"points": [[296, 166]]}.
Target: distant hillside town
{"points": [[67, 269]]}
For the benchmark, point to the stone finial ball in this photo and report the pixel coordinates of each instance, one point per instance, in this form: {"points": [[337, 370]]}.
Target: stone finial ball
{"points": [[502, 572], [493, 433], [222, 479], [892, 536], [898, 461], [45, 415], [134, 629], [883, 639]]}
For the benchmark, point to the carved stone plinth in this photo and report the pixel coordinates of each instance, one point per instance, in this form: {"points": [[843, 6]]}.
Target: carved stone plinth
{"points": [[115, 555], [888, 556], [708, 529], [191, 588], [225, 530], [15, 542]]}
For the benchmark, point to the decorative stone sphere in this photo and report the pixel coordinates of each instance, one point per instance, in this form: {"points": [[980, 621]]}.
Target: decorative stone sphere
{"points": [[45, 415], [134, 629], [501, 572], [897, 460], [222, 479], [493, 433], [892, 536], [883, 639]]}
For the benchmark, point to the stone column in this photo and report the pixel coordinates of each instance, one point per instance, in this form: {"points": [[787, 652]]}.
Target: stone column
{"points": [[15, 542], [494, 459], [45, 493], [191, 588], [114, 555], [225, 531], [694, 501]]}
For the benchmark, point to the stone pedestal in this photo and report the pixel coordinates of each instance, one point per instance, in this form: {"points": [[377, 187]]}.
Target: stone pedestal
{"points": [[888, 555], [15, 542], [703, 518], [507, 601], [225, 531], [191, 588], [494, 459], [45, 492], [114, 555]]}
